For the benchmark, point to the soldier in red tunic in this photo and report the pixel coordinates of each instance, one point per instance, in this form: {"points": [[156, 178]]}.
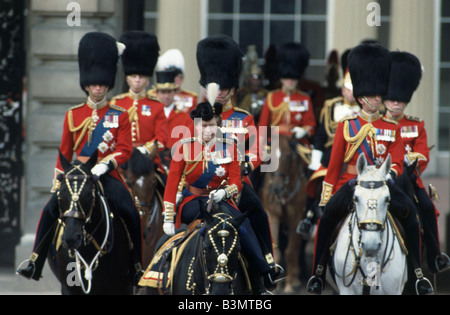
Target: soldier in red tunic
{"points": [[173, 60], [219, 60], [288, 108], [205, 167], [406, 72], [93, 126], [148, 123], [375, 137]]}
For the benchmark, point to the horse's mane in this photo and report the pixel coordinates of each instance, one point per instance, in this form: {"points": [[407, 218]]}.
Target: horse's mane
{"points": [[140, 164]]}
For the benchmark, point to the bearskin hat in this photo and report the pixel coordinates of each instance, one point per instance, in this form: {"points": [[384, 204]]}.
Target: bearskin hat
{"points": [[406, 72], [292, 60], [219, 60], [369, 66], [98, 56], [141, 54]]}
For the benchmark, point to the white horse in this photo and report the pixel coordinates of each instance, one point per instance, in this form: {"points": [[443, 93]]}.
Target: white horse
{"points": [[369, 257]]}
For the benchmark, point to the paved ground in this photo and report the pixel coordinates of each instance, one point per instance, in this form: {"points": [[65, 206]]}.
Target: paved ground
{"points": [[11, 284]]}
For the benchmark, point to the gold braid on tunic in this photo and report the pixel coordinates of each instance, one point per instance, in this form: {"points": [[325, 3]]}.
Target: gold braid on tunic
{"points": [[356, 141]]}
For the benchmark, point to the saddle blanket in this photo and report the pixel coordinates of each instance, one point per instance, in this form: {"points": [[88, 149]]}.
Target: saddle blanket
{"points": [[159, 272]]}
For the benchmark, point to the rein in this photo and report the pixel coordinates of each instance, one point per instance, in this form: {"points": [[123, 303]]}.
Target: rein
{"points": [[366, 225], [76, 211]]}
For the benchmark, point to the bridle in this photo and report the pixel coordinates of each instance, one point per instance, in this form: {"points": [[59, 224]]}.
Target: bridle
{"points": [[373, 225], [221, 273], [77, 211]]}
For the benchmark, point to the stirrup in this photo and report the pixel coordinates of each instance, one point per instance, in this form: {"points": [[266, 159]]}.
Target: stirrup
{"points": [[19, 270], [444, 257], [427, 281], [316, 279], [280, 276]]}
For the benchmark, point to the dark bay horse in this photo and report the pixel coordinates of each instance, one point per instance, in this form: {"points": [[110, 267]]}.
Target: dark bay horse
{"points": [[211, 262], [141, 178], [95, 257], [284, 197]]}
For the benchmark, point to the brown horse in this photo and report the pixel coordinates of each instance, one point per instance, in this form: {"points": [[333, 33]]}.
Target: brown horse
{"points": [[284, 198], [141, 178]]}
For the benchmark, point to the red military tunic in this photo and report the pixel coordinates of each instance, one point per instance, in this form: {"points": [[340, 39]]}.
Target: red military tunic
{"points": [[148, 122], [414, 138], [180, 125], [374, 136], [201, 168], [240, 125], [89, 127], [288, 111]]}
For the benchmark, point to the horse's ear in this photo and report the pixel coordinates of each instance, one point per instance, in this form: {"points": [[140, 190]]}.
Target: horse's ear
{"points": [[386, 167], [65, 163], [154, 151], [92, 160], [361, 163], [204, 213]]}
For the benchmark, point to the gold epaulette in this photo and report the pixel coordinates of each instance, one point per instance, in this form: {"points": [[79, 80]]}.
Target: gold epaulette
{"points": [[190, 93], [389, 120], [117, 107], [332, 101], [412, 118], [76, 106], [120, 96], [152, 94], [348, 118], [238, 109]]}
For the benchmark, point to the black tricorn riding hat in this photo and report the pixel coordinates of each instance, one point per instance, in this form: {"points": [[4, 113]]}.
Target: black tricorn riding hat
{"points": [[141, 54], [292, 60], [97, 59], [406, 72], [369, 66], [205, 111]]}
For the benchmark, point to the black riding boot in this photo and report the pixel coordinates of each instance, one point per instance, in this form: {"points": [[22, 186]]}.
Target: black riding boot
{"points": [[44, 234]]}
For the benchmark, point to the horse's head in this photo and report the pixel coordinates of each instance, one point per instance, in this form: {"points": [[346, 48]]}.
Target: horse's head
{"points": [[371, 199], [288, 161], [140, 176], [221, 247], [76, 198]]}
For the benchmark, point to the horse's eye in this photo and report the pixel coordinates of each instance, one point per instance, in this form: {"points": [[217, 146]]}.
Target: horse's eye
{"points": [[355, 199]]}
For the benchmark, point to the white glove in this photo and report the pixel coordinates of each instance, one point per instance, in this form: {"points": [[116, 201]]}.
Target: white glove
{"points": [[143, 150], [316, 156], [299, 132], [169, 228], [99, 169], [218, 195]]}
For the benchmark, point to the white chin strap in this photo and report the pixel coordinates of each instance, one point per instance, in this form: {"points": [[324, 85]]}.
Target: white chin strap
{"points": [[366, 101]]}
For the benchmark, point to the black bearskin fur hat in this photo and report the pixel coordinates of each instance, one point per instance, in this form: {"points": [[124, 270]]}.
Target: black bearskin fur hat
{"points": [[292, 60], [406, 72], [141, 54], [369, 66], [97, 59]]}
